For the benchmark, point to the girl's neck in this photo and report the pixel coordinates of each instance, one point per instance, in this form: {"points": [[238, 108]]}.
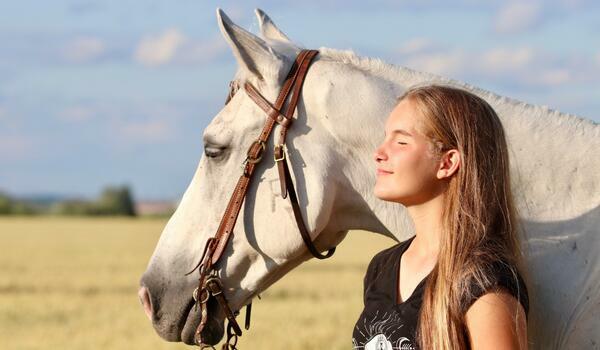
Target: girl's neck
{"points": [[427, 219]]}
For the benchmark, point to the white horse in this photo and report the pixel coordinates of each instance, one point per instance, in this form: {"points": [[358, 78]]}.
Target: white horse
{"points": [[338, 124]]}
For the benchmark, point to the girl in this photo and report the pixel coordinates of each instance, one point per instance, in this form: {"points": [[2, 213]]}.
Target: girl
{"points": [[456, 284]]}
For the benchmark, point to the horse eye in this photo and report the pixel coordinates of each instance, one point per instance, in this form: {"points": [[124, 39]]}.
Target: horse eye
{"points": [[212, 151], [233, 88]]}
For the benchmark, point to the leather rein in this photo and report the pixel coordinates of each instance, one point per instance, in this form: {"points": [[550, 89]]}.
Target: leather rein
{"points": [[210, 284]]}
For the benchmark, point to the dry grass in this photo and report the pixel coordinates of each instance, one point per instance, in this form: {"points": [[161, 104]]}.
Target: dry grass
{"points": [[71, 283]]}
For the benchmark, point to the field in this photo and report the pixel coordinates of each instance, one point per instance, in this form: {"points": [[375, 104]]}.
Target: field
{"points": [[71, 283]]}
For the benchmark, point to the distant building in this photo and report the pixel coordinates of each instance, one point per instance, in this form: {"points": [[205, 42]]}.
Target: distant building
{"points": [[155, 207]]}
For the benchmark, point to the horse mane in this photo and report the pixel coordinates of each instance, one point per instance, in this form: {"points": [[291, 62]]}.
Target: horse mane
{"points": [[387, 71]]}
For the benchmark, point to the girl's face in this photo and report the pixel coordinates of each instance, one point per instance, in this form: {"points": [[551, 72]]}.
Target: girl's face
{"points": [[406, 170]]}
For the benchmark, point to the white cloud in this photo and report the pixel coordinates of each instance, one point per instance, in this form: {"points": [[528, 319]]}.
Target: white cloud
{"points": [[575, 4], [554, 77], [502, 59], [525, 66], [15, 147], [159, 49], [415, 45], [201, 51], [76, 114], [146, 131], [173, 47], [517, 17], [439, 62], [84, 49]]}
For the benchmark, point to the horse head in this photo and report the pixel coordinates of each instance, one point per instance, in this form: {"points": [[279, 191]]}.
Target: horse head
{"points": [[266, 243]]}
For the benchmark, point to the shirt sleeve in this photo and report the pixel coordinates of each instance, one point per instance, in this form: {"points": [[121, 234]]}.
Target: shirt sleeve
{"points": [[504, 278]]}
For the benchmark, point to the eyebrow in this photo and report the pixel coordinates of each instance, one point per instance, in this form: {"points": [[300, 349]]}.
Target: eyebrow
{"points": [[400, 131]]}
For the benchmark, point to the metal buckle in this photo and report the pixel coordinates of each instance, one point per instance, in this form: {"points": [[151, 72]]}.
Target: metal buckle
{"points": [[217, 282], [200, 295], [261, 143], [282, 153], [232, 338]]}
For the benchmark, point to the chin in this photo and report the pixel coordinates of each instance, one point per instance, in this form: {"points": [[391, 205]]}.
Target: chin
{"points": [[385, 195], [185, 330]]}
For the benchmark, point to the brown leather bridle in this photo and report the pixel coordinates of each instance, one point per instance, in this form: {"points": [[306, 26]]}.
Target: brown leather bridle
{"points": [[209, 282]]}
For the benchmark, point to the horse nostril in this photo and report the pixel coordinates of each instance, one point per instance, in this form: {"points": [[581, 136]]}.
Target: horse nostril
{"points": [[144, 296]]}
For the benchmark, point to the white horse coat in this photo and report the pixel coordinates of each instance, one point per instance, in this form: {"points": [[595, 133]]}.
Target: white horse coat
{"points": [[339, 123]]}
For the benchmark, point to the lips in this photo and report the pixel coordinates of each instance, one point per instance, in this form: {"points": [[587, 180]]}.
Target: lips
{"points": [[383, 172], [213, 331]]}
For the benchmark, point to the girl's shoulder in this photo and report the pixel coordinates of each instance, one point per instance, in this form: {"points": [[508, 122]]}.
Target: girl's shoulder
{"points": [[501, 276]]}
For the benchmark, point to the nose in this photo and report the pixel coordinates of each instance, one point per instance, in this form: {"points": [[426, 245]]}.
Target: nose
{"points": [[378, 155], [144, 296]]}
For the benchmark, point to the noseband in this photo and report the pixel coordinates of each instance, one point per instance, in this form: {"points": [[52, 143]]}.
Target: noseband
{"points": [[210, 284]]}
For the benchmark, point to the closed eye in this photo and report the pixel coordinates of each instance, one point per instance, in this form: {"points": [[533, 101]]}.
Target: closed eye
{"points": [[212, 151], [213, 148]]}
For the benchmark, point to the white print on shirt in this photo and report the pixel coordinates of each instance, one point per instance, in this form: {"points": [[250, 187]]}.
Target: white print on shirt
{"points": [[404, 344], [379, 342], [376, 333]]}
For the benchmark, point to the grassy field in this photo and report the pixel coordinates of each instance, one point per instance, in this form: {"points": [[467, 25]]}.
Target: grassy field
{"points": [[71, 283]]}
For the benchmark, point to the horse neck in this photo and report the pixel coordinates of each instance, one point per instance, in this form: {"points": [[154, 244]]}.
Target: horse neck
{"points": [[553, 167], [352, 106]]}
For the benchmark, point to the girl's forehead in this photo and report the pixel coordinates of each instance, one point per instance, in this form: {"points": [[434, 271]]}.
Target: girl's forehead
{"points": [[404, 116]]}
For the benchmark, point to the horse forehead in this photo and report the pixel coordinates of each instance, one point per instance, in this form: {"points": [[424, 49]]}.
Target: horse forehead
{"points": [[233, 118], [240, 114]]}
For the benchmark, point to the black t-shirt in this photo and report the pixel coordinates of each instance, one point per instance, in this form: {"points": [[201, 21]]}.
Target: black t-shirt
{"points": [[386, 324]]}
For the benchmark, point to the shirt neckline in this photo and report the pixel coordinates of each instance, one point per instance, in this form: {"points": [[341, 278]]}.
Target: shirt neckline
{"points": [[417, 290]]}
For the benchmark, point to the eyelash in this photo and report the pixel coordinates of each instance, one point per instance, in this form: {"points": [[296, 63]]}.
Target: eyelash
{"points": [[402, 143]]}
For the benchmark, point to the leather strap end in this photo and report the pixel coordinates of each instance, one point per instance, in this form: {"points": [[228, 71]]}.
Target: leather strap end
{"points": [[282, 178], [247, 321]]}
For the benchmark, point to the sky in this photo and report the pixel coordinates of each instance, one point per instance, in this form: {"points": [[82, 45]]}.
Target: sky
{"points": [[98, 93]]}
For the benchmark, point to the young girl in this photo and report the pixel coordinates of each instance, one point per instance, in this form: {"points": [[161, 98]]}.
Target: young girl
{"points": [[456, 284]]}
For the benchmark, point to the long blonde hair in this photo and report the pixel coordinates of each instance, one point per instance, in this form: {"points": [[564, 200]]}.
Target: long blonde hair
{"points": [[479, 220]]}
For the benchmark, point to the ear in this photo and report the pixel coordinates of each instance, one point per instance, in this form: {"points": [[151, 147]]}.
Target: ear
{"points": [[268, 28], [449, 164], [251, 52]]}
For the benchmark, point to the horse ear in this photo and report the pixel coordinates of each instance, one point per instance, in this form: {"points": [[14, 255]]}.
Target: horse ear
{"points": [[251, 52], [268, 29]]}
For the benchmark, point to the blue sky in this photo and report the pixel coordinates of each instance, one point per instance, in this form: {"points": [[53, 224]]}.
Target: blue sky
{"points": [[94, 93]]}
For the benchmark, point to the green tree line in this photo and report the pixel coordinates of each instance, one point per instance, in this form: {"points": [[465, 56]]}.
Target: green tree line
{"points": [[114, 200]]}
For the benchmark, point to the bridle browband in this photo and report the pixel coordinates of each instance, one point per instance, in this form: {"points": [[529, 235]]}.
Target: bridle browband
{"points": [[209, 281]]}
